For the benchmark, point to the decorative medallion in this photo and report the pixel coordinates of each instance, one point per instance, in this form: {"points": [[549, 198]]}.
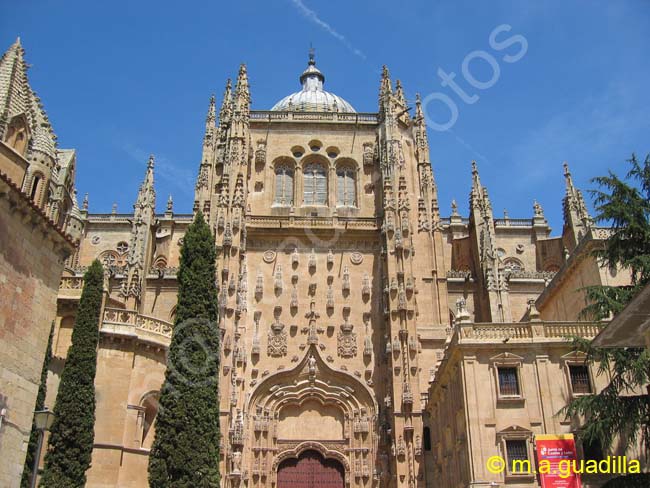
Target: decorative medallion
{"points": [[95, 240], [356, 257], [269, 256]]}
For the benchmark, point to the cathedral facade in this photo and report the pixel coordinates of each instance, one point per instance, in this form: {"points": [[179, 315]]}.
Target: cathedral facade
{"points": [[345, 302]]}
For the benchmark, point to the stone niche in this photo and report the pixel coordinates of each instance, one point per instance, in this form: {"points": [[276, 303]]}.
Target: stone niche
{"points": [[310, 420]]}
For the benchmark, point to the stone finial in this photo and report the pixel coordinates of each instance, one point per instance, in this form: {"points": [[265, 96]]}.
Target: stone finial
{"points": [[84, 204], [114, 208], [505, 214], [170, 204], [454, 208], [537, 208]]}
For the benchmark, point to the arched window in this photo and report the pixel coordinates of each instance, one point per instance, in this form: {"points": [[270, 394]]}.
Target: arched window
{"points": [[346, 194], [513, 264], [17, 134], [36, 187], [315, 184], [283, 185], [150, 409]]}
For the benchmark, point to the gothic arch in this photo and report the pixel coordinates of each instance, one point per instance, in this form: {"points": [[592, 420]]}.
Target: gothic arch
{"points": [[18, 134], [311, 446], [312, 380]]}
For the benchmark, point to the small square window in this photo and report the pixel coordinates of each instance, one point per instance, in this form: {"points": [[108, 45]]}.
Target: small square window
{"points": [[580, 381], [508, 381], [516, 450]]}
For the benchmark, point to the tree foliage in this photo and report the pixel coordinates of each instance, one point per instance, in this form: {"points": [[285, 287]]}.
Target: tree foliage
{"points": [[624, 204], [72, 435], [40, 405], [185, 452], [621, 411]]}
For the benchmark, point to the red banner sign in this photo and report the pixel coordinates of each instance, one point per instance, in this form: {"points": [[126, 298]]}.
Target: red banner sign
{"points": [[556, 460]]}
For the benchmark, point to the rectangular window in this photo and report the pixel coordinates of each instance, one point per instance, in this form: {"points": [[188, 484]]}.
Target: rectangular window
{"points": [[284, 187], [580, 383], [508, 381], [516, 450]]}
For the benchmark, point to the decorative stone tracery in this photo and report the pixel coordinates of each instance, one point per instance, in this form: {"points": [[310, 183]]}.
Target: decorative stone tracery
{"points": [[314, 385]]}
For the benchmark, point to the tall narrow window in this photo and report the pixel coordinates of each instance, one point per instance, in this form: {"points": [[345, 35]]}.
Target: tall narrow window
{"points": [[315, 185], [283, 185], [427, 438], [508, 381], [345, 187], [580, 382], [516, 450], [35, 188]]}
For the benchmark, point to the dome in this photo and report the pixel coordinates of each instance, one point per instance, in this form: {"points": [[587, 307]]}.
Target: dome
{"points": [[312, 97]]}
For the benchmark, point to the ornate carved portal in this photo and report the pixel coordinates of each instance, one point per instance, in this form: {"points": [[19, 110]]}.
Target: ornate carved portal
{"points": [[310, 470], [312, 408]]}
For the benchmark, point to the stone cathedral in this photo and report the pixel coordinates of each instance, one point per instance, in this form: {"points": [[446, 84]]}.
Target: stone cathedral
{"points": [[367, 341]]}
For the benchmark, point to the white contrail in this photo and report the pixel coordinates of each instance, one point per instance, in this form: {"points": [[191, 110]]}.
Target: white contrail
{"points": [[313, 16]]}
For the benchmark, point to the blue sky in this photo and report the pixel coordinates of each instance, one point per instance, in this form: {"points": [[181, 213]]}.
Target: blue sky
{"points": [[120, 80]]}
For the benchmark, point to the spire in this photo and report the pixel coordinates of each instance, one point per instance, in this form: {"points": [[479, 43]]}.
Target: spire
{"points": [[420, 133], [212, 113], [419, 113], [399, 93], [14, 86], [242, 93], [479, 196], [147, 194], [385, 87], [210, 121], [17, 97], [577, 219], [226, 104]]}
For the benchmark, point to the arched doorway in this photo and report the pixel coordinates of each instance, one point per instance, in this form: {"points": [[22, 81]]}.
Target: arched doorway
{"points": [[310, 470]]}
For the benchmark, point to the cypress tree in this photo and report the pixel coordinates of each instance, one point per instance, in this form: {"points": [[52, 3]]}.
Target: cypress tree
{"points": [[185, 451], [72, 435], [40, 405]]}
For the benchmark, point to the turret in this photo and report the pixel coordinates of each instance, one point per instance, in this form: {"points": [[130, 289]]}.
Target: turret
{"points": [[25, 128]]}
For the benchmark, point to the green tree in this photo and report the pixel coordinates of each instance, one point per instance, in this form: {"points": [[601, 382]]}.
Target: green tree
{"points": [[71, 439], [185, 451], [621, 411], [40, 405]]}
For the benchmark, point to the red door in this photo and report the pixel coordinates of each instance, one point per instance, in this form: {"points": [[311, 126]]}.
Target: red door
{"points": [[310, 470]]}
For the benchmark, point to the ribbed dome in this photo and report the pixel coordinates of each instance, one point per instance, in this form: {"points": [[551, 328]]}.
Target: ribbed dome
{"points": [[312, 97]]}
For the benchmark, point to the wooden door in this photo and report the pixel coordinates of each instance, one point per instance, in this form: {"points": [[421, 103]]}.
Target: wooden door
{"points": [[310, 470]]}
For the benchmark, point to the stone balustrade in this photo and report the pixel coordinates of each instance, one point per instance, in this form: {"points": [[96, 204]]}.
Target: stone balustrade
{"points": [[71, 283], [130, 323], [526, 331], [345, 117]]}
